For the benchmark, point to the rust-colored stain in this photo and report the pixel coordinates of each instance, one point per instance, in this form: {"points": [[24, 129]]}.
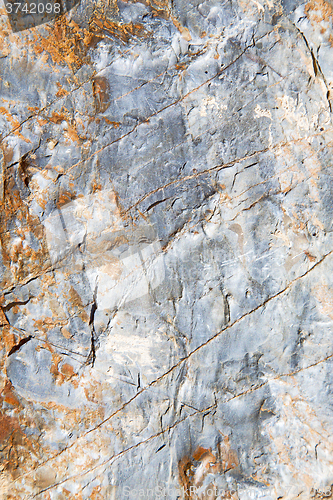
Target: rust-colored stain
{"points": [[3, 319], [320, 14], [67, 43], [66, 333], [318, 10], [76, 304], [54, 369], [70, 131], [19, 258], [64, 198], [63, 374], [7, 426], [19, 452], [203, 462], [181, 66], [94, 392], [109, 122], [7, 337], [61, 92], [96, 493], [7, 152], [44, 325], [14, 123], [101, 90], [58, 118], [8, 396], [96, 186], [124, 32], [310, 256]]}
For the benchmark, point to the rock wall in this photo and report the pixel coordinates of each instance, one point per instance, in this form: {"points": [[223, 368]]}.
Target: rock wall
{"points": [[166, 259]]}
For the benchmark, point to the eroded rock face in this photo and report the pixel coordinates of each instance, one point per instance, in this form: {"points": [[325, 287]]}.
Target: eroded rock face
{"points": [[166, 252]]}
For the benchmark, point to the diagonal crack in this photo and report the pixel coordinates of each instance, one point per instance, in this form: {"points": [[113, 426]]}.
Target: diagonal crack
{"points": [[186, 358], [224, 166], [206, 410], [174, 103], [10, 305], [94, 75], [92, 354], [18, 346], [316, 66]]}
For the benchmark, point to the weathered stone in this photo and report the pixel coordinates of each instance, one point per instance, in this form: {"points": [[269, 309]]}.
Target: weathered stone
{"points": [[166, 256]]}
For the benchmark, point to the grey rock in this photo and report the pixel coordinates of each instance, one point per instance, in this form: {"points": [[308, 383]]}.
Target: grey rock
{"points": [[166, 252]]}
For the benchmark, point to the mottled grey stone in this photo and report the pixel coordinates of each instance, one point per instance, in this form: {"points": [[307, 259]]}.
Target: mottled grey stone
{"points": [[166, 252]]}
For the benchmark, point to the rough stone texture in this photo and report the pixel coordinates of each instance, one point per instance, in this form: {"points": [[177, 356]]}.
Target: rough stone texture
{"points": [[166, 256]]}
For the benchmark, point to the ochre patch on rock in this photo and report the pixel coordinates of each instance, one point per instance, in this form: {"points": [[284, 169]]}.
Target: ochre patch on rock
{"points": [[193, 470]]}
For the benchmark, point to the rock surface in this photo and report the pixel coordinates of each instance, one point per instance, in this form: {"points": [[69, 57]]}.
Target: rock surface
{"points": [[166, 262]]}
